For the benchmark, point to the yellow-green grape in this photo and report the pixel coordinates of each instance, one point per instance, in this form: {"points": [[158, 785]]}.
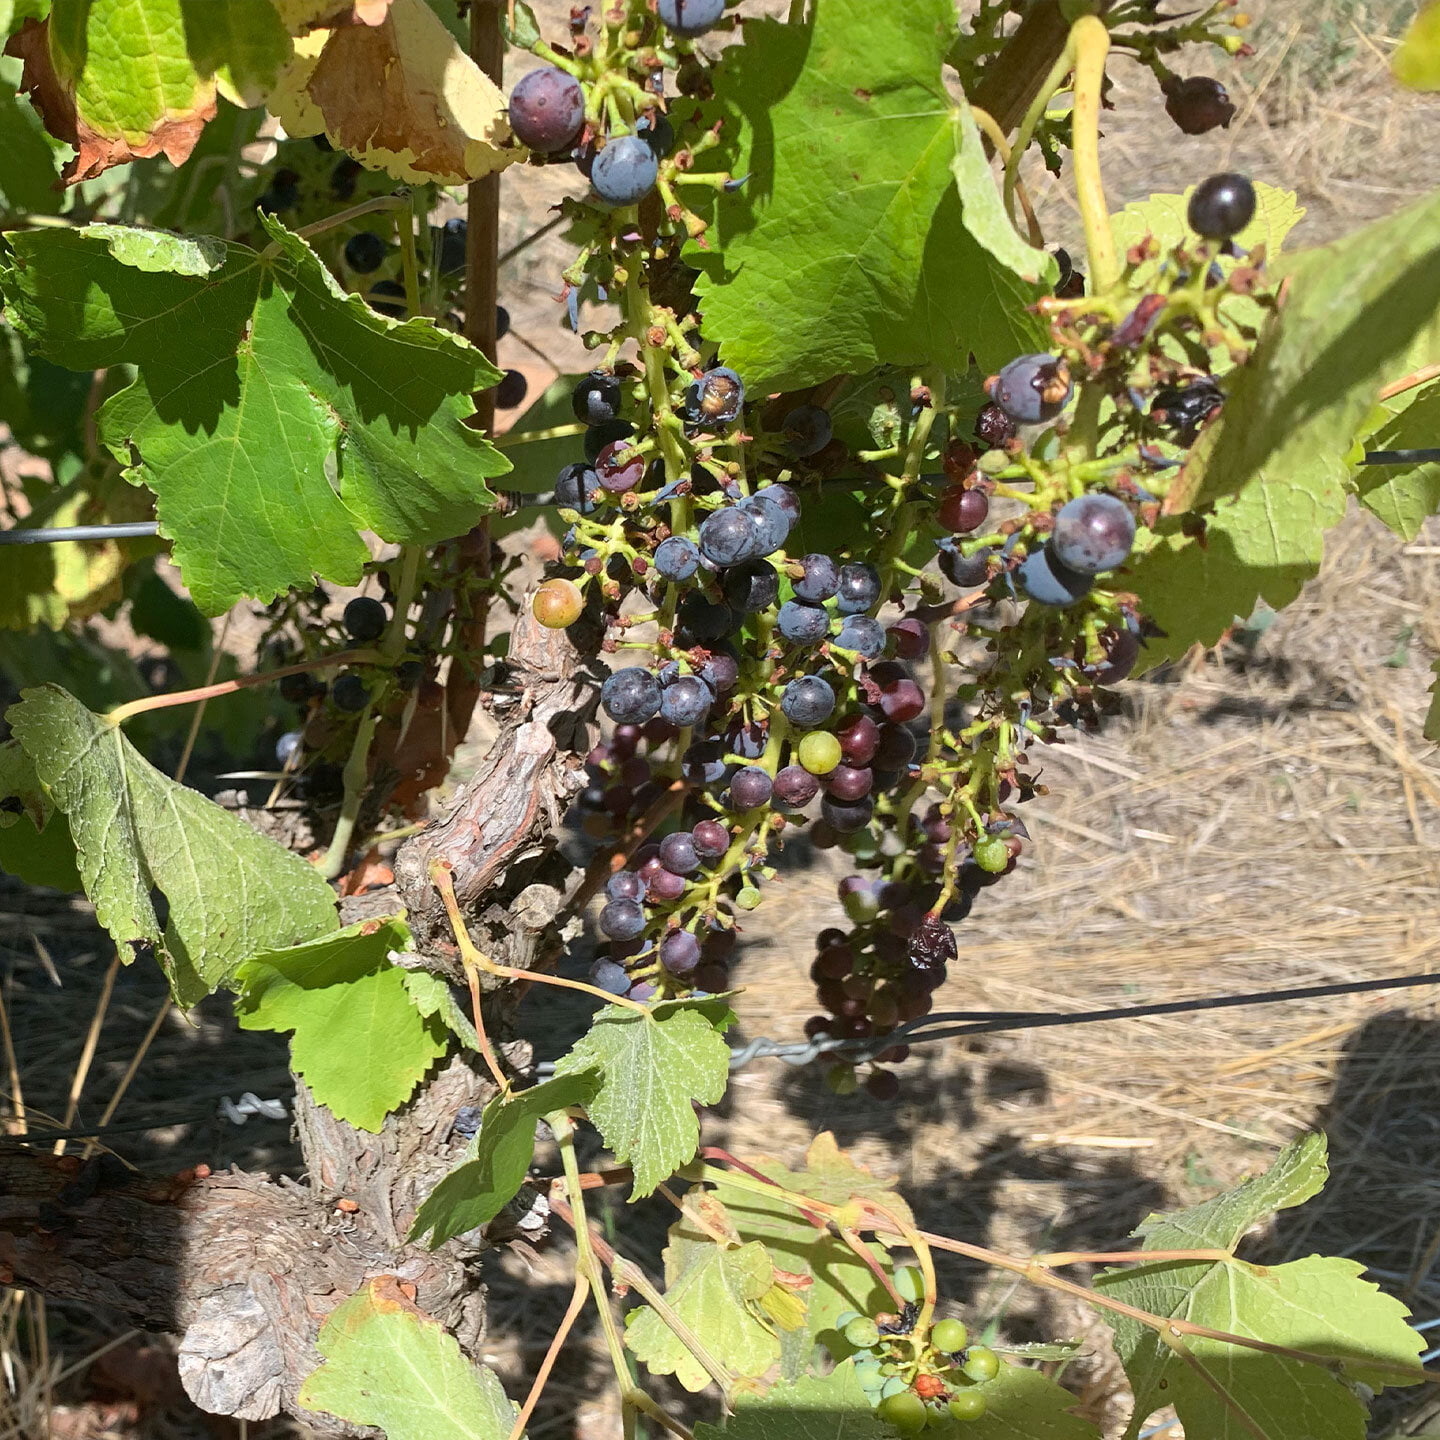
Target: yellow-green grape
{"points": [[967, 1405], [862, 1333], [842, 1080], [981, 1364], [905, 1411], [909, 1284], [747, 898], [819, 752], [992, 854], [949, 1336], [558, 604]]}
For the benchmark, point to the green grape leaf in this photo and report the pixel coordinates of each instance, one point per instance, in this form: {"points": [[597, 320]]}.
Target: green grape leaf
{"points": [[432, 996], [1432, 718], [830, 1407], [388, 1364], [839, 1279], [1316, 1305], [1403, 496], [1416, 62], [232, 891], [717, 1291], [359, 1042], [848, 246], [29, 163], [274, 416], [653, 1069], [35, 842], [476, 1191], [158, 612]]}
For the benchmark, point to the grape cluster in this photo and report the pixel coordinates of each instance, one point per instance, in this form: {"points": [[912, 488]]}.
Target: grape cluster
{"points": [[932, 1382]]}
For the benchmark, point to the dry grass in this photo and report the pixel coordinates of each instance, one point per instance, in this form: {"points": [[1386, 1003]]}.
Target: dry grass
{"points": [[1264, 817]]}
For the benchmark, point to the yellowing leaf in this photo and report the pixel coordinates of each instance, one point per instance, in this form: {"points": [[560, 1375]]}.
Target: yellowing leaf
{"points": [[389, 1364], [401, 96], [1416, 63]]}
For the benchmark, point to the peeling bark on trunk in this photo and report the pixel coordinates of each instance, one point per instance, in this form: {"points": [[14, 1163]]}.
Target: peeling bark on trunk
{"points": [[245, 1268]]}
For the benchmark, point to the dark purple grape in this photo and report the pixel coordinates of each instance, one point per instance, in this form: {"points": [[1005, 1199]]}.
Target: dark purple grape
{"points": [[365, 619], [666, 885], [730, 536], [511, 391], [784, 497], [848, 783], [657, 132], [807, 701], [882, 1085], [626, 739], [502, 315], [677, 558], [932, 944], [597, 398], [1092, 533], [1198, 103], [680, 952], [625, 171], [687, 701], [690, 17], [635, 772], [705, 621], [859, 736], [349, 693], [1221, 206], [625, 885], [1185, 408], [993, 427], [365, 252], [895, 748], [387, 297], [678, 854], [748, 738], [609, 977], [631, 696], [1032, 389], [547, 109], [750, 787], [622, 920], [807, 430], [620, 467], [752, 587], [450, 257], [864, 635], [710, 979], [297, 689], [1048, 582], [966, 571], [618, 799], [642, 992], [962, 511], [803, 624], [576, 487], [711, 839], [720, 672], [1122, 650], [820, 580], [858, 590], [772, 524], [796, 787], [287, 746]]}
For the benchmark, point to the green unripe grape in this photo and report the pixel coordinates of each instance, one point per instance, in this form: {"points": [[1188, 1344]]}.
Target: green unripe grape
{"points": [[845, 1317], [558, 603], [867, 1372], [892, 1386], [992, 854], [909, 1283], [949, 1336], [862, 1333], [819, 752], [993, 462], [863, 845], [748, 898], [842, 1080], [905, 1411], [981, 1364], [967, 1405]]}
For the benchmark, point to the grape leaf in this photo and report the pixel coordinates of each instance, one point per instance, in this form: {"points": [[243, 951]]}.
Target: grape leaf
{"points": [[653, 1069], [1432, 718], [1416, 62], [848, 248], [232, 891], [274, 417], [389, 1364], [1315, 1304], [401, 95], [29, 163], [476, 1191], [359, 1042], [1403, 496], [35, 842], [716, 1289], [830, 1407]]}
